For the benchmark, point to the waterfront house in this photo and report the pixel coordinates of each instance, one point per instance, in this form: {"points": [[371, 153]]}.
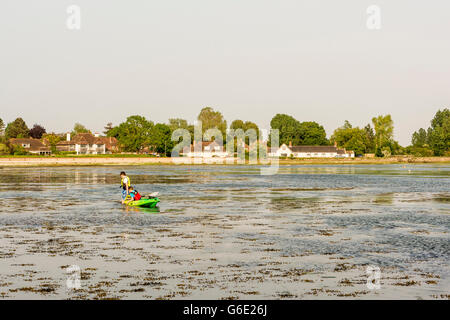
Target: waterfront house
{"points": [[33, 146], [204, 149], [83, 143], [309, 152]]}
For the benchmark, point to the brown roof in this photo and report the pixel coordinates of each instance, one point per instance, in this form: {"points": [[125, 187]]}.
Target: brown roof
{"points": [[203, 145], [314, 149], [82, 138], [35, 144], [110, 142]]}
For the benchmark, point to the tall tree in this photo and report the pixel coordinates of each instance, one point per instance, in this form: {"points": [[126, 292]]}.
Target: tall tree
{"points": [[237, 124], [17, 129], [440, 132], [311, 133], [79, 128], [244, 126], [51, 139], [436, 138], [350, 138], [2, 127], [287, 127], [37, 131], [177, 123], [384, 129], [419, 138], [369, 139], [212, 119], [160, 139], [133, 134], [107, 128]]}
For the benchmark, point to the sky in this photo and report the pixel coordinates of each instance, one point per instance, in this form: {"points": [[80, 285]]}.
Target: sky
{"points": [[250, 59]]}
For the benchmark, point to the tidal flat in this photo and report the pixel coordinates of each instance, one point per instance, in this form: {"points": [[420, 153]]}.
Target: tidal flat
{"points": [[227, 232]]}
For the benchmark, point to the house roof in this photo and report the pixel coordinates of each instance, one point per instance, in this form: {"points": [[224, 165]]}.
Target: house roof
{"points": [[35, 144], [82, 138], [203, 144], [110, 142], [314, 149]]}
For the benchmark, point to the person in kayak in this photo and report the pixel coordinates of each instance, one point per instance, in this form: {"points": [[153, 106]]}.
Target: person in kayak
{"points": [[125, 184], [134, 194]]}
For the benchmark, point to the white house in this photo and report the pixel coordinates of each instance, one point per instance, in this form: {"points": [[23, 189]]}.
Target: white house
{"points": [[204, 149], [309, 152], [83, 143]]}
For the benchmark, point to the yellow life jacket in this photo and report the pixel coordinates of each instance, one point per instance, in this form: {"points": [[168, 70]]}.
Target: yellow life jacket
{"points": [[129, 182]]}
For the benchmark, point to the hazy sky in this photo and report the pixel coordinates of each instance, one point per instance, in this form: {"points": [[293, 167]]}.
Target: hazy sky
{"points": [[250, 59]]}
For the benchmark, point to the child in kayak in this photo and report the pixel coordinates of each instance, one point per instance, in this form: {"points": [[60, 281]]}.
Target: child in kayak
{"points": [[135, 196]]}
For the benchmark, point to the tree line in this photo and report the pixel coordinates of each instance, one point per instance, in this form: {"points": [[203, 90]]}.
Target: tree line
{"points": [[138, 134]]}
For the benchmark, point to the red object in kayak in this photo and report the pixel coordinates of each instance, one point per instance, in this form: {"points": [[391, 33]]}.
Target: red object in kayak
{"points": [[137, 196]]}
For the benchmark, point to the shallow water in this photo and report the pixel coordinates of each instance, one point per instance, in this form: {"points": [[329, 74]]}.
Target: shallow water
{"points": [[227, 232]]}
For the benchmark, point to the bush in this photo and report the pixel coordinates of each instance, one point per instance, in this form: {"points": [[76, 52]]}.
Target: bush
{"points": [[19, 151], [420, 151], [4, 149], [378, 153]]}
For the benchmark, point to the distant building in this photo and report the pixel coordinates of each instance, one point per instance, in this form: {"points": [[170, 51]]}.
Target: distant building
{"points": [[204, 149], [309, 152], [87, 143], [33, 146]]}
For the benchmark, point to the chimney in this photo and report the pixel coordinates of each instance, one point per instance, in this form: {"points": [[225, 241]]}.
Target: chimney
{"points": [[290, 144], [68, 136]]}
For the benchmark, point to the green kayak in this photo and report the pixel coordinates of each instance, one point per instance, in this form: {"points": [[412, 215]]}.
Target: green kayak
{"points": [[144, 203]]}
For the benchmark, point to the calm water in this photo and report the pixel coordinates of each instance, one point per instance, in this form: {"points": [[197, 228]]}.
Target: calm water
{"points": [[227, 232]]}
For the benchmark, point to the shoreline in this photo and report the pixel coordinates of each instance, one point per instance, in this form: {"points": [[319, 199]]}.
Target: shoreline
{"points": [[132, 161]]}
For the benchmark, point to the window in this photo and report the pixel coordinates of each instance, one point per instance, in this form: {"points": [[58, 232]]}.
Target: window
{"points": [[25, 145]]}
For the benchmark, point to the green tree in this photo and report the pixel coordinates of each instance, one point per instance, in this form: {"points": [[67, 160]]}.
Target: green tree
{"points": [[237, 124], [133, 134], [384, 129], [311, 133], [287, 127], [17, 129], [4, 149], [79, 128], [19, 150], [369, 139], [419, 138], [350, 138], [2, 127], [440, 132], [212, 119], [247, 125], [51, 139], [436, 138], [161, 139], [177, 123]]}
